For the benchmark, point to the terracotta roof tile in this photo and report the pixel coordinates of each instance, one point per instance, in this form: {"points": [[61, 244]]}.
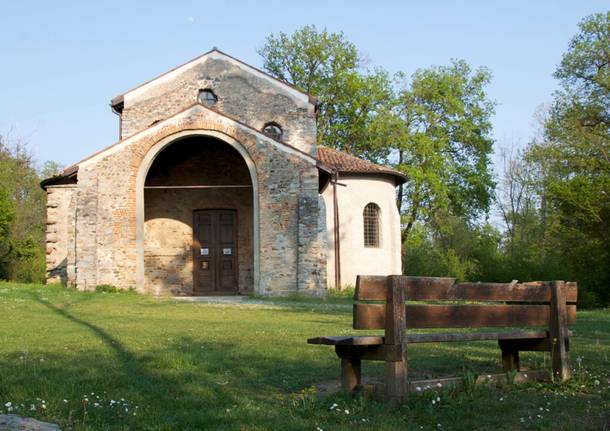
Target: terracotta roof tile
{"points": [[344, 162]]}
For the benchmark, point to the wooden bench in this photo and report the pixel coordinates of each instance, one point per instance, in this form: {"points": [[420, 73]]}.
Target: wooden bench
{"points": [[548, 307]]}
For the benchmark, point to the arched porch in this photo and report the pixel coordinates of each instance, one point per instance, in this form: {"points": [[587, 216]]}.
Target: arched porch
{"points": [[197, 217]]}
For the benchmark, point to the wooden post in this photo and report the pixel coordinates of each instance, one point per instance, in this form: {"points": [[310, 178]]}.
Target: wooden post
{"points": [[558, 331], [350, 374], [510, 355], [395, 364]]}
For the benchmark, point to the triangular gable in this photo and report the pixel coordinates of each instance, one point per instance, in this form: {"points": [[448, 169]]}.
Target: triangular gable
{"points": [[118, 101], [184, 113]]}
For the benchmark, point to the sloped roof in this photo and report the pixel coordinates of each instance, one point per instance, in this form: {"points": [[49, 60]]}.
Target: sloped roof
{"points": [[346, 163]]}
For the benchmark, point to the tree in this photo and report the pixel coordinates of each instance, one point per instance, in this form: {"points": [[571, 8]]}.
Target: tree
{"points": [[440, 131], [573, 157], [50, 169], [330, 67], [436, 128], [7, 214], [464, 251], [517, 200], [23, 210]]}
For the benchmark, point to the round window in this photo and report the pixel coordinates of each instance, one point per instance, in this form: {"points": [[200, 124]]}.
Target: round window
{"points": [[273, 130], [207, 97]]}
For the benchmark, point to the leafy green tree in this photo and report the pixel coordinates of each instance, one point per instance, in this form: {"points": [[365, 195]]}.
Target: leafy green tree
{"points": [[23, 205], [463, 251], [7, 214], [440, 132], [330, 67], [436, 128], [573, 159]]}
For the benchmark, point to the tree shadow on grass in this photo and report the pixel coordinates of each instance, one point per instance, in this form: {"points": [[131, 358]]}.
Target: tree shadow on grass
{"points": [[186, 383]]}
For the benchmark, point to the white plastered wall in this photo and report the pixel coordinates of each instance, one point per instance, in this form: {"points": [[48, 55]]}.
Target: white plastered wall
{"points": [[356, 259]]}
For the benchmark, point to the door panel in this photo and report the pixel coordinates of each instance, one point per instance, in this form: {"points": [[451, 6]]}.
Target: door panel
{"points": [[215, 252]]}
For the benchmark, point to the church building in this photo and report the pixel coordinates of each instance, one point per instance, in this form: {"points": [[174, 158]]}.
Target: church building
{"points": [[216, 186]]}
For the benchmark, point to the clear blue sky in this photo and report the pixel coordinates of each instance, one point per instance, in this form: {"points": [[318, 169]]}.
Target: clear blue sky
{"points": [[62, 62]]}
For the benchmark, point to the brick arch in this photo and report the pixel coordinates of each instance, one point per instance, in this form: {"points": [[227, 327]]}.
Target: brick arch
{"points": [[161, 140]]}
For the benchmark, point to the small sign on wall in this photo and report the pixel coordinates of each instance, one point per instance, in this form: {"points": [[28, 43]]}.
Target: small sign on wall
{"points": [[227, 251], [204, 251]]}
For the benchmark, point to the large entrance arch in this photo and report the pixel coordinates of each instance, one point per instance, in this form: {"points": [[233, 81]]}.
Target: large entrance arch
{"points": [[197, 217]]}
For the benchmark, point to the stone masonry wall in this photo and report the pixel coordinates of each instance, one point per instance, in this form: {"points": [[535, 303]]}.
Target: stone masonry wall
{"points": [[312, 256], [60, 231], [106, 208]]}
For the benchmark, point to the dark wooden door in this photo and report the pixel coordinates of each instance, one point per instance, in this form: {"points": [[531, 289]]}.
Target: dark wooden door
{"points": [[215, 252]]}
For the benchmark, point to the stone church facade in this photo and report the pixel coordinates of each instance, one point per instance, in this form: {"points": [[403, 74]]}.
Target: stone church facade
{"points": [[217, 187]]}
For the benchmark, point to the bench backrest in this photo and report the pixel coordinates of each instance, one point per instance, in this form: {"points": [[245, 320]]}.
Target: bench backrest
{"points": [[504, 304]]}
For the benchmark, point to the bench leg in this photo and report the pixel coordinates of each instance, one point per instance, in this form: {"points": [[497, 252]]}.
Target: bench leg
{"points": [[510, 357], [396, 381], [351, 374], [558, 331]]}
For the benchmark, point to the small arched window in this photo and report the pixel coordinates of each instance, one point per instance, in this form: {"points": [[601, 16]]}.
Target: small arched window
{"points": [[370, 216], [207, 97], [273, 130]]}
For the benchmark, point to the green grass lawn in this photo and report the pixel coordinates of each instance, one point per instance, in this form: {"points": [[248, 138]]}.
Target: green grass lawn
{"points": [[118, 361]]}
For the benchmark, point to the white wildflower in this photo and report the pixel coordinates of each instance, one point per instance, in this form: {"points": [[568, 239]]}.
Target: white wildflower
{"points": [[346, 411]]}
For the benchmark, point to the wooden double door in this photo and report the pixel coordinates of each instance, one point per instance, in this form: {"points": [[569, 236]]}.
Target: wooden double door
{"points": [[215, 252]]}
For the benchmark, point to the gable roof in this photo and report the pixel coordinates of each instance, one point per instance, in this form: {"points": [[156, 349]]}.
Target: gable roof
{"points": [[117, 102], [346, 163]]}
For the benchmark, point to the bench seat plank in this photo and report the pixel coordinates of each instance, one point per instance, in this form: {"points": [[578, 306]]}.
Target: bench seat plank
{"points": [[372, 340]]}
